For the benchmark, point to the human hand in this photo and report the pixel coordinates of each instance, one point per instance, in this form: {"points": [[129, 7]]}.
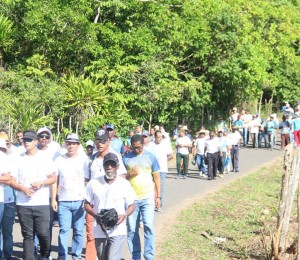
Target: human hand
{"points": [[121, 218], [28, 191], [36, 185]]}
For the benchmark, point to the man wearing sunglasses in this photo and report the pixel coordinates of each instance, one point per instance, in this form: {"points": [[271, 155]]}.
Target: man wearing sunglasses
{"points": [[102, 142], [143, 175], [50, 152], [32, 175]]}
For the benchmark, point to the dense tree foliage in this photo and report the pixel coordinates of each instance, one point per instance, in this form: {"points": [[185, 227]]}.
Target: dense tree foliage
{"points": [[74, 65]]}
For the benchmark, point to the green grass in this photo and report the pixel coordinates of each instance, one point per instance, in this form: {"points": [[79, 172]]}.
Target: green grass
{"points": [[238, 212]]}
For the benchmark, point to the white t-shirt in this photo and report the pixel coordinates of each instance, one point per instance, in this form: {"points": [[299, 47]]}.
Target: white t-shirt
{"points": [[184, 140], [71, 172], [97, 169], [200, 144], [235, 138], [118, 195], [254, 126], [28, 169], [4, 168], [212, 145], [161, 151], [8, 191]]}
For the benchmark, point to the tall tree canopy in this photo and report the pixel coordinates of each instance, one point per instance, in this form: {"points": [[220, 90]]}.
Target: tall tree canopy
{"points": [[75, 65]]}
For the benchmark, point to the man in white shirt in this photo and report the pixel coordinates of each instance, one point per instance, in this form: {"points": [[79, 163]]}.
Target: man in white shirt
{"points": [[32, 174], [235, 139], [212, 150], [164, 153], [105, 192], [183, 143], [254, 130], [102, 143], [198, 151], [71, 169]]}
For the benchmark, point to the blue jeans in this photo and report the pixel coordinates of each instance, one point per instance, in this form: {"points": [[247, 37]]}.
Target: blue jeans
{"points": [[200, 163], [261, 136], [7, 229], [70, 214], [245, 135], [144, 209], [163, 176]]}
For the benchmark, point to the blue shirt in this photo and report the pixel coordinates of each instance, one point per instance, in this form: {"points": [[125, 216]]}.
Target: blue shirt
{"points": [[117, 145]]}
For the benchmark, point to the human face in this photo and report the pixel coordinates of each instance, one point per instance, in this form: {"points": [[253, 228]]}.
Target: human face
{"points": [[152, 131], [102, 145], [89, 150], [137, 147], [158, 138], [29, 144], [43, 139], [20, 137], [182, 133], [110, 168], [220, 134], [146, 139], [72, 148], [111, 132], [138, 129], [211, 135]]}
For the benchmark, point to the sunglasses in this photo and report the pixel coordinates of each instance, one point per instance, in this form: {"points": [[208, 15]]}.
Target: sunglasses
{"points": [[44, 136], [27, 140], [102, 141], [137, 148]]}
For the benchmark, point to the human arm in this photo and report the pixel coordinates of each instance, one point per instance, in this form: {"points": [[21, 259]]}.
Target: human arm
{"points": [[5, 178], [127, 213], [156, 178], [51, 179], [170, 156], [53, 196], [89, 209]]}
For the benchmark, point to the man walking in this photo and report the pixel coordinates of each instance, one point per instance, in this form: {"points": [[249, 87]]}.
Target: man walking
{"points": [[71, 168], [33, 173], [106, 192], [164, 153], [143, 174]]}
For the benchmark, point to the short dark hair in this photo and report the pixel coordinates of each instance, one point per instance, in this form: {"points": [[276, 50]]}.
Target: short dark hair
{"points": [[137, 138], [156, 132]]}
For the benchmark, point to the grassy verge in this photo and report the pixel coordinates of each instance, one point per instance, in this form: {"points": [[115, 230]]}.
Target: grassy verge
{"points": [[239, 212]]}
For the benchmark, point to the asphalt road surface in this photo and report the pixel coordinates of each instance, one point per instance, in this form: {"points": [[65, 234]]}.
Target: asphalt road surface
{"points": [[178, 193]]}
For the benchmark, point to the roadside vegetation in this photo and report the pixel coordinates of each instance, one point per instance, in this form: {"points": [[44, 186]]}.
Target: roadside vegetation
{"points": [[233, 223], [75, 65]]}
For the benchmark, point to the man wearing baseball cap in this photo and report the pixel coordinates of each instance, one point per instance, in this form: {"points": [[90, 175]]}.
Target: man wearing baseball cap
{"points": [[32, 174], [71, 169], [115, 142], [110, 192], [102, 143]]}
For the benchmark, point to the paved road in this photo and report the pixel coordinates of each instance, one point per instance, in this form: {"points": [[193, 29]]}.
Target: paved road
{"points": [[179, 193]]}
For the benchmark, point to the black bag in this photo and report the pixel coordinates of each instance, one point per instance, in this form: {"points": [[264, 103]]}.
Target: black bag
{"points": [[107, 219]]}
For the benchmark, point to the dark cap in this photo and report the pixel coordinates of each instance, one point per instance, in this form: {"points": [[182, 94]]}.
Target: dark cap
{"points": [[30, 134], [72, 138], [110, 126], [102, 133], [110, 157]]}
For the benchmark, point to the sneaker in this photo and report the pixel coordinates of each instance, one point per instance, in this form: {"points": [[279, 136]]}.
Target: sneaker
{"points": [[221, 175], [159, 210], [177, 177], [201, 174], [184, 177], [232, 170], [237, 170], [181, 177]]}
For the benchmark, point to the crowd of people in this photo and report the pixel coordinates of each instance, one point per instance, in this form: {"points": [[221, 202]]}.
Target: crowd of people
{"points": [[43, 181]]}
